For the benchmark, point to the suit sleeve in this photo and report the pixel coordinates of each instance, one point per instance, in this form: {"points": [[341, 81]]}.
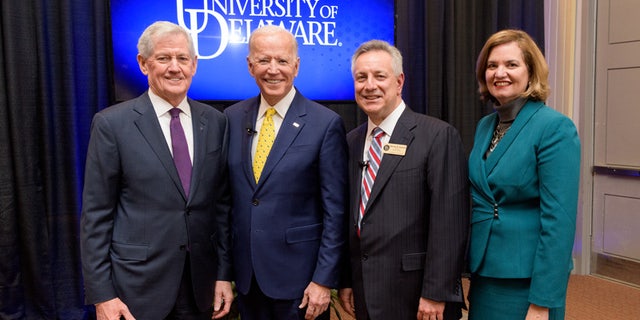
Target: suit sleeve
{"points": [[99, 202], [333, 190], [223, 214], [559, 176], [448, 190]]}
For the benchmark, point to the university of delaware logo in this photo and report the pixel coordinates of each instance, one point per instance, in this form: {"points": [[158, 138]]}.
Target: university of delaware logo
{"points": [[198, 21], [215, 24]]}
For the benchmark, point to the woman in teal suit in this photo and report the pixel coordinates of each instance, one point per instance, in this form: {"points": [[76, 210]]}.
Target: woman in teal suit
{"points": [[524, 172]]}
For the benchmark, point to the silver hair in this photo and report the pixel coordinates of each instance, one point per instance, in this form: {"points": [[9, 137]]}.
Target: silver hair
{"points": [[159, 29]]}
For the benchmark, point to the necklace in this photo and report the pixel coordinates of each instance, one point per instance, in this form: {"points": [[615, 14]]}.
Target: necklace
{"points": [[499, 132]]}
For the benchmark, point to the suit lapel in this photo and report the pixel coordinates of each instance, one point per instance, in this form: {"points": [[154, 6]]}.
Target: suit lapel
{"points": [[523, 117], [199, 123], [403, 135], [477, 163], [150, 129], [249, 120], [292, 125]]}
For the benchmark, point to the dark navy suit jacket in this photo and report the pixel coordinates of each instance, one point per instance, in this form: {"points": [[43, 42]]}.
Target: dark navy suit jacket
{"points": [[288, 229], [137, 223]]}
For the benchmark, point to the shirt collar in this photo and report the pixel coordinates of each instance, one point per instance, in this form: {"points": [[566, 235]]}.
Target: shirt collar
{"points": [[281, 107], [389, 123], [161, 106]]}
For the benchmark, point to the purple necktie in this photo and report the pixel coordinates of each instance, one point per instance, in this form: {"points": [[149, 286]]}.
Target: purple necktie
{"points": [[180, 150]]}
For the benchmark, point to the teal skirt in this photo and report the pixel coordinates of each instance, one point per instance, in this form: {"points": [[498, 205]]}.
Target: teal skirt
{"points": [[502, 299]]}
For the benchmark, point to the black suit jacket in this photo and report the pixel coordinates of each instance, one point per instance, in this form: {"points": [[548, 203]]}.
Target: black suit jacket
{"points": [[414, 231], [137, 224]]}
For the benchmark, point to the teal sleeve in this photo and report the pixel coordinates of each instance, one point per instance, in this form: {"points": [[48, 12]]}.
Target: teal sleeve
{"points": [[558, 156]]}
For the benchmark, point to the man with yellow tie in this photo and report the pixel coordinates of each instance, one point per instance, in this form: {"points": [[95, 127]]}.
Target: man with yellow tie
{"points": [[288, 173]]}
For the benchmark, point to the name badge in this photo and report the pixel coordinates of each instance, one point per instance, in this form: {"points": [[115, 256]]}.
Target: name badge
{"points": [[395, 149]]}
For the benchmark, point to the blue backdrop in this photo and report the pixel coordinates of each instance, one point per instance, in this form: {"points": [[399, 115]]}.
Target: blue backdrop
{"points": [[328, 32]]}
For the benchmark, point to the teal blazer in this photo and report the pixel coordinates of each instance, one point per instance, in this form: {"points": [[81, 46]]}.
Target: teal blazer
{"points": [[525, 198]]}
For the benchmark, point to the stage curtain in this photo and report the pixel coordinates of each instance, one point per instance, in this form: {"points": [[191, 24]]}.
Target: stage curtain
{"points": [[53, 78]]}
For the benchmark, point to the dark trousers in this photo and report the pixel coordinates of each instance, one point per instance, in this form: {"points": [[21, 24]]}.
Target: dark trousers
{"points": [[185, 307], [255, 305]]}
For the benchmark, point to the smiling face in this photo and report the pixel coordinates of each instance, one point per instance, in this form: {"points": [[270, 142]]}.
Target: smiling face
{"points": [[273, 63], [378, 89], [506, 75], [170, 67]]}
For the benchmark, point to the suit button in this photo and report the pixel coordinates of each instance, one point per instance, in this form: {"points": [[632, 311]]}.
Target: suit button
{"points": [[255, 202], [495, 215], [365, 257]]}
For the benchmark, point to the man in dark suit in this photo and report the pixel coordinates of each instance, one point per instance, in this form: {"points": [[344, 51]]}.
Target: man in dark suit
{"points": [[289, 193], [155, 236], [409, 202]]}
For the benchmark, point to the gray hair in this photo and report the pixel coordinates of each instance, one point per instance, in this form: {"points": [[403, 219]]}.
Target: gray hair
{"points": [[379, 45], [159, 29]]}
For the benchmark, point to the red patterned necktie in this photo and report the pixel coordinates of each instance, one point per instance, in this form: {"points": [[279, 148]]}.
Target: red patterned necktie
{"points": [[371, 170], [180, 149]]}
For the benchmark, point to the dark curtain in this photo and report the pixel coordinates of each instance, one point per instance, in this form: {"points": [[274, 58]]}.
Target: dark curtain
{"points": [[53, 78], [55, 74], [440, 41]]}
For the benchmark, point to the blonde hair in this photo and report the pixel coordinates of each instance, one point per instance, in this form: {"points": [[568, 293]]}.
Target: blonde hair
{"points": [[538, 88]]}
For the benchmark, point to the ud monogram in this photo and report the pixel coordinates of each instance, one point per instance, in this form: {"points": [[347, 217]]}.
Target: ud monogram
{"points": [[195, 30]]}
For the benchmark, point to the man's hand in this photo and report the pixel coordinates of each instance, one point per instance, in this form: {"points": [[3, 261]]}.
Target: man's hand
{"points": [[112, 310], [346, 301], [430, 310], [222, 299], [316, 298]]}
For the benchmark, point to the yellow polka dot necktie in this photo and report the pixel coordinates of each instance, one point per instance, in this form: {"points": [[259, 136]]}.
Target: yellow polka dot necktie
{"points": [[267, 136]]}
